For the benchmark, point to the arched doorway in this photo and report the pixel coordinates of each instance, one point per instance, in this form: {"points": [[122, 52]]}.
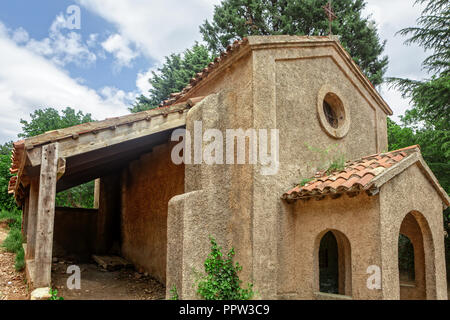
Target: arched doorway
{"points": [[333, 263], [415, 256]]}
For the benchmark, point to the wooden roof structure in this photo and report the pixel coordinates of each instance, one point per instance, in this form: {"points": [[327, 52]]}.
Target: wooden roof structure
{"points": [[91, 150]]}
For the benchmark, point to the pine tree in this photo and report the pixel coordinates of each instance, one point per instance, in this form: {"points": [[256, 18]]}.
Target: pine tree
{"points": [[173, 76], [430, 97], [235, 19]]}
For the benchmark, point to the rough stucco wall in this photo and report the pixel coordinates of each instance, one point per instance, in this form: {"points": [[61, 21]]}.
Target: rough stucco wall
{"points": [[263, 92], [285, 88], [147, 186], [411, 192], [74, 232], [222, 192], [357, 218]]}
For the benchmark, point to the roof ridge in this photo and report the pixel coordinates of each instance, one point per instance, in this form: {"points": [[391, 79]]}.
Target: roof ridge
{"points": [[230, 50]]}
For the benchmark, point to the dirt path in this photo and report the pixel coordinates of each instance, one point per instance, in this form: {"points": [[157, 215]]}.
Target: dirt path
{"points": [[97, 284], [12, 283]]}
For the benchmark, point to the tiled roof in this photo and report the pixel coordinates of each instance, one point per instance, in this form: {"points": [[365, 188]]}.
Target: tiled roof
{"points": [[230, 50], [358, 175]]}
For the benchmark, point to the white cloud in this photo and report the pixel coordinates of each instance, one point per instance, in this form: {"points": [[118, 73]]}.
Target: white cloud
{"points": [[120, 48], [142, 81], [29, 81], [62, 46], [20, 35], [404, 61], [157, 27]]}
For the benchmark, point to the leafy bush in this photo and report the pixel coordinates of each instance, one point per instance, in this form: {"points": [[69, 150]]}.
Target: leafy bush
{"points": [[14, 240], [222, 281], [54, 295], [174, 293], [20, 260]]}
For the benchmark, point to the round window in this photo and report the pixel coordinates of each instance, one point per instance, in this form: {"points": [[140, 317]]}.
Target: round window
{"points": [[333, 113]]}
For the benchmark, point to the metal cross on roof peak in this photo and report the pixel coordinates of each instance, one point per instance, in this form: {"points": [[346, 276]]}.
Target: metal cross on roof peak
{"points": [[330, 14]]}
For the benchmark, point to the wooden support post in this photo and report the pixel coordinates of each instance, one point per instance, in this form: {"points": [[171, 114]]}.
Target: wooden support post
{"points": [[32, 218], [97, 193], [25, 209], [46, 216]]}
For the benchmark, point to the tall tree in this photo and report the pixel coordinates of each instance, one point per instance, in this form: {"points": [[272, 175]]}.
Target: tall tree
{"points": [[430, 97], [239, 18], [6, 201], [173, 76], [427, 123], [43, 120]]}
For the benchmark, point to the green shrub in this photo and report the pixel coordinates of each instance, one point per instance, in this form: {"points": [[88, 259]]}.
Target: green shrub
{"points": [[222, 281], [13, 242], [174, 293], [20, 260], [54, 295]]}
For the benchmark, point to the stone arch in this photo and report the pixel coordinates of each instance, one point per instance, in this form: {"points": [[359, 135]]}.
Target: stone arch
{"points": [[344, 261], [415, 226]]}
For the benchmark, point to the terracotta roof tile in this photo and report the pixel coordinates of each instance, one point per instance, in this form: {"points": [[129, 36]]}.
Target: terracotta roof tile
{"points": [[357, 175]]}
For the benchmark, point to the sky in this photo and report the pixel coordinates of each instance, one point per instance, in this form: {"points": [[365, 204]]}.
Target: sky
{"points": [[101, 62]]}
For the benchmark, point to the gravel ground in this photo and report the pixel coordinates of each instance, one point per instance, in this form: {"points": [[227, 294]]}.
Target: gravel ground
{"points": [[12, 283]]}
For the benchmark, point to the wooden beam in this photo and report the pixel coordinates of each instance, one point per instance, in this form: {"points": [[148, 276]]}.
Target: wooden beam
{"points": [[96, 193], [105, 138], [33, 198], [46, 215]]}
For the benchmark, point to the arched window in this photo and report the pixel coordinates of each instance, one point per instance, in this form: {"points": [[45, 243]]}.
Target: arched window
{"points": [[406, 260], [334, 264], [328, 264]]}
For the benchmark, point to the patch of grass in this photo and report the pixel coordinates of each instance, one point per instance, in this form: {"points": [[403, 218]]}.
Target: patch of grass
{"points": [[14, 240], [174, 293], [304, 182], [338, 164], [20, 260]]}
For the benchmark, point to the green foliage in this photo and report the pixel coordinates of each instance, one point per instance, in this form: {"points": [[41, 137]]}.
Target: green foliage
{"points": [[6, 200], [19, 263], [43, 120], [14, 240], [174, 293], [430, 97], [427, 123], [434, 141], [54, 295], [304, 182], [222, 281], [234, 19], [81, 196], [338, 164], [173, 76]]}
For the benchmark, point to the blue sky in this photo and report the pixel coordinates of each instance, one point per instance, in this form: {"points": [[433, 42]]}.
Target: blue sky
{"points": [[101, 67]]}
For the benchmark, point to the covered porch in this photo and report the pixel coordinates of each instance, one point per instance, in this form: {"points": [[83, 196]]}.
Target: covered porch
{"points": [[62, 159]]}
